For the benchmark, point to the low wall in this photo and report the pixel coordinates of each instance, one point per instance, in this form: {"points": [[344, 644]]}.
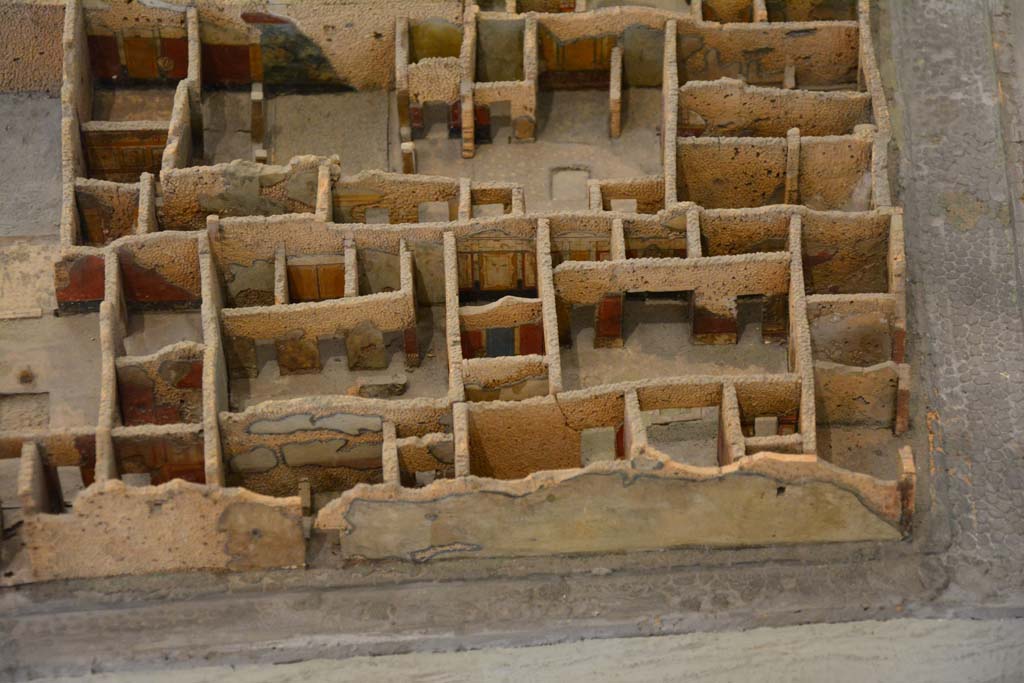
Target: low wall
{"points": [[810, 10], [649, 192], [400, 194], [435, 79], [730, 107], [114, 529], [725, 277], [237, 188], [772, 498], [178, 152], [70, 448], [506, 378], [388, 312]]}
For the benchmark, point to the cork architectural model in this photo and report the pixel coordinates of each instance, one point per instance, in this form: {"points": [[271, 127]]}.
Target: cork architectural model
{"points": [[583, 276]]}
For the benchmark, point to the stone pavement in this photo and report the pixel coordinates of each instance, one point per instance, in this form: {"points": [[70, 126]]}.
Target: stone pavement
{"points": [[963, 237]]}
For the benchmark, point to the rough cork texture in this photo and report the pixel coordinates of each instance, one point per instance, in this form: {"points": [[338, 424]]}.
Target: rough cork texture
{"points": [[30, 47], [729, 107]]}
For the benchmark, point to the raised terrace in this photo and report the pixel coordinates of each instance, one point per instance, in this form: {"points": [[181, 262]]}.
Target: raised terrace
{"points": [[427, 278]]}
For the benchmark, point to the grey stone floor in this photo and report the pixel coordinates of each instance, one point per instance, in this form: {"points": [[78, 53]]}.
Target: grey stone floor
{"points": [[957, 651], [963, 234], [953, 113], [29, 165], [353, 125]]}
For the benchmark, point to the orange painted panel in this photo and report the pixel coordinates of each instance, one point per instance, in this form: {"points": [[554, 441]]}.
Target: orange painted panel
{"points": [[302, 284], [579, 55], [332, 280], [465, 271], [140, 58]]}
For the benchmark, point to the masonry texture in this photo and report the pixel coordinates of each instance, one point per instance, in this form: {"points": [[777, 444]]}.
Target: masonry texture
{"points": [[654, 313]]}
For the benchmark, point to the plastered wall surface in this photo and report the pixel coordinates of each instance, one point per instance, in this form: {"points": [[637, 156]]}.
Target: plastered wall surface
{"points": [[500, 523], [771, 221]]}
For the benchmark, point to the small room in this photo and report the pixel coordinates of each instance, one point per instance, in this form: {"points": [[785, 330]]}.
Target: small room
{"points": [[656, 341], [106, 210], [728, 11], [511, 326], [352, 125], [331, 365], [686, 435], [731, 173], [422, 460], [134, 77], [499, 50], [824, 57], [329, 452], [511, 440], [846, 253], [682, 421], [271, 92], [133, 85]]}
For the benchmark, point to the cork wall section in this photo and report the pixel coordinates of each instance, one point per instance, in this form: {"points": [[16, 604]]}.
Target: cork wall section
{"points": [[115, 529]]}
